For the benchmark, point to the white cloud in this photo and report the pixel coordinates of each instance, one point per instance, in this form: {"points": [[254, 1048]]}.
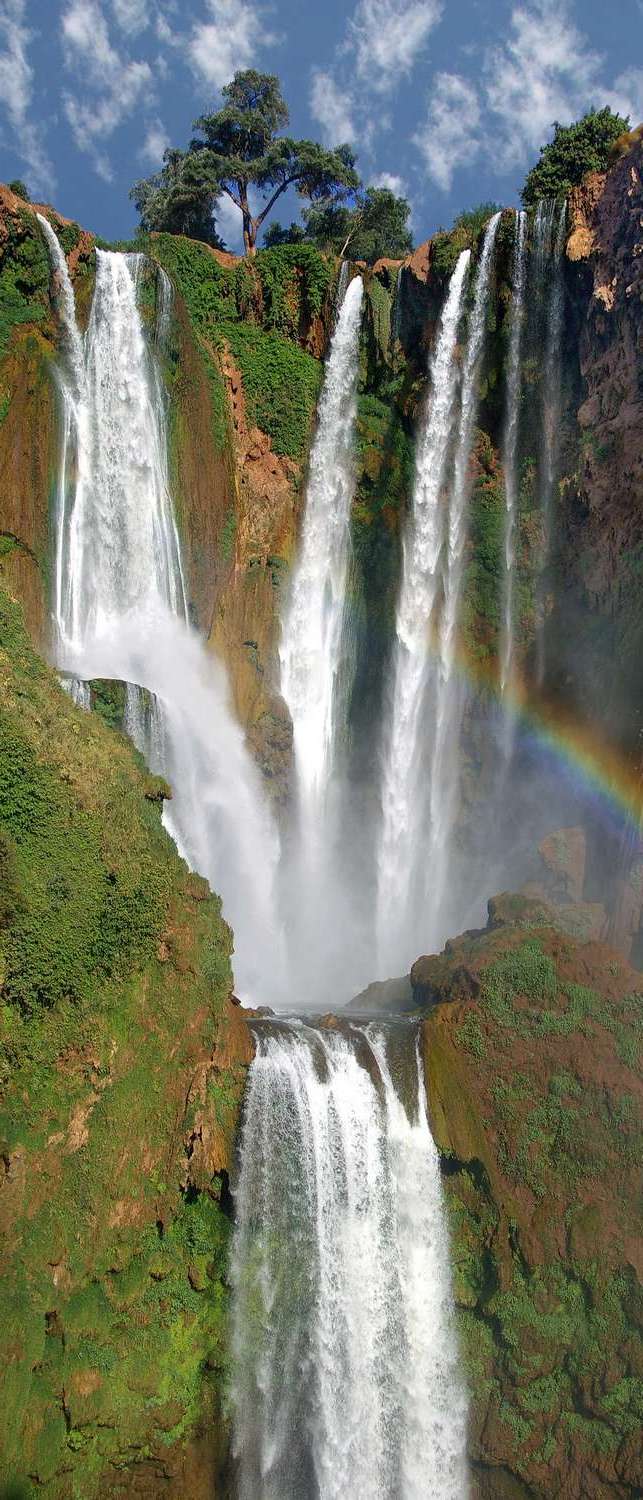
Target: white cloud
{"points": [[156, 142], [387, 37], [391, 181], [132, 15], [449, 139], [230, 40], [544, 72], [331, 106], [16, 94], [626, 95], [117, 86]]}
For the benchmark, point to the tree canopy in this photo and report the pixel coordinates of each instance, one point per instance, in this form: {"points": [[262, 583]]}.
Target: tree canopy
{"points": [[238, 148], [575, 149], [375, 225], [178, 199]]}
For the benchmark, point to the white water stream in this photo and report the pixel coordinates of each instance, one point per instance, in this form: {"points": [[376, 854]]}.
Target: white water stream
{"points": [[549, 231], [404, 769], [120, 609], [311, 645], [444, 774], [345, 1360], [510, 453]]}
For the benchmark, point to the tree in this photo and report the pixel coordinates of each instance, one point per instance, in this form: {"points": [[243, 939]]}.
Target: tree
{"points": [[19, 189], [574, 150], [178, 200], [276, 235], [239, 149], [375, 226]]}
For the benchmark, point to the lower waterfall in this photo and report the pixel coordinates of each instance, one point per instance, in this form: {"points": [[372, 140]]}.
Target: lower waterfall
{"points": [[345, 1362]]}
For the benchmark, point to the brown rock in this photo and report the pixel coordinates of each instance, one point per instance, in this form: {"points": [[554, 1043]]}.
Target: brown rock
{"points": [[563, 854]]}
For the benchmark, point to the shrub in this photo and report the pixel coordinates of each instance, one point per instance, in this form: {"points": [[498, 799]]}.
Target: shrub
{"points": [[575, 149]]}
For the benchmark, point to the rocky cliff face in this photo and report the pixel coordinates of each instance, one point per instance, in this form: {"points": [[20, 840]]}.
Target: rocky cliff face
{"points": [[532, 1057], [602, 491]]}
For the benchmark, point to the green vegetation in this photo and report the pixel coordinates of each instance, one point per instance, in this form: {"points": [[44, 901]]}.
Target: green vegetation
{"points": [[585, 146], [257, 310], [375, 226], [114, 971], [447, 245], [239, 147], [24, 277], [17, 186], [281, 384]]}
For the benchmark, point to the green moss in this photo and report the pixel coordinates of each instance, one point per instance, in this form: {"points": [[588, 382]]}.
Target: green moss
{"points": [[471, 1037], [296, 281], [101, 1036], [259, 311], [281, 384]]}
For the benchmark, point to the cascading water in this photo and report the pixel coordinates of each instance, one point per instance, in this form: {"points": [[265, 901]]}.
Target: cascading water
{"points": [[404, 771], [311, 644], [344, 1350], [549, 233], [315, 672], [444, 772], [510, 454], [345, 1360], [120, 610]]}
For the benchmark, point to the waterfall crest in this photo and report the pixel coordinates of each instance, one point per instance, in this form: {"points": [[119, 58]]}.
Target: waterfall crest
{"points": [[344, 1352], [120, 610], [422, 545]]}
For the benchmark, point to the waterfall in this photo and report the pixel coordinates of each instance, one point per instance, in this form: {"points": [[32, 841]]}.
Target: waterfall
{"points": [[315, 671], [549, 232], [345, 1361], [311, 644], [404, 771], [510, 451], [444, 772], [120, 610]]}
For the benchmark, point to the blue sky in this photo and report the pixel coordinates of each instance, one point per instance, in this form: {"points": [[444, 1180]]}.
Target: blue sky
{"points": [[446, 100]]}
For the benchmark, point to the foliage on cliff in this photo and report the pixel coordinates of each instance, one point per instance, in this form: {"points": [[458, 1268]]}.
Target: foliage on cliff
{"points": [[574, 150], [120, 1081], [263, 313], [533, 1066]]}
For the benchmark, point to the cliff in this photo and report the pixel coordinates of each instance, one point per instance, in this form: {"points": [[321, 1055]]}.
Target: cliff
{"points": [[122, 1064], [532, 1057]]}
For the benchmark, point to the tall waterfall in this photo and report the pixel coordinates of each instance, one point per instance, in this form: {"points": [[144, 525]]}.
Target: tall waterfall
{"points": [[345, 1364], [549, 232], [444, 772], [120, 607], [510, 448], [404, 771], [311, 645], [315, 667]]}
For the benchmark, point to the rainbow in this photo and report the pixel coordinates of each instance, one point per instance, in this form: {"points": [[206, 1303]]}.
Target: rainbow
{"points": [[592, 763]]}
